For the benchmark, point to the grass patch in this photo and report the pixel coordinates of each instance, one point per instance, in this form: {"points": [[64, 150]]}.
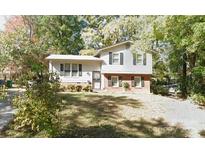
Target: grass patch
{"points": [[96, 115]]}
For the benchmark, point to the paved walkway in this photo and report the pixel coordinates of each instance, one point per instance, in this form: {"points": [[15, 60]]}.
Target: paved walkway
{"points": [[6, 113], [6, 110], [183, 112]]}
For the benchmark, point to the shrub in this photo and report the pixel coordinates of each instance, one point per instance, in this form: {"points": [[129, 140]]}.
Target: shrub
{"points": [[87, 88], [126, 85], [202, 133], [23, 79], [63, 88], [159, 89], [78, 88], [37, 109], [71, 87], [3, 92], [199, 99], [164, 91]]}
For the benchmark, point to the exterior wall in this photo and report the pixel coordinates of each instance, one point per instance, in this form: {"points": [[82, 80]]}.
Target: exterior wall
{"points": [[127, 78], [87, 69], [127, 66], [125, 71]]}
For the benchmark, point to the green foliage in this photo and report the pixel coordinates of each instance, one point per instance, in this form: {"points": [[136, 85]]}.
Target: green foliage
{"points": [[157, 87], [3, 92], [185, 37], [199, 99], [126, 85], [71, 87], [92, 34], [28, 44], [78, 88], [23, 79], [88, 52], [198, 80], [87, 88], [61, 33], [38, 109]]}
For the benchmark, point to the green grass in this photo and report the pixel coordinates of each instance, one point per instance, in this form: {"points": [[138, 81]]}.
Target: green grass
{"points": [[96, 115]]}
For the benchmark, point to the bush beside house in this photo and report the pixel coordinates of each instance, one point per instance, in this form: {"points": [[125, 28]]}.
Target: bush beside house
{"points": [[126, 86], [78, 88]]}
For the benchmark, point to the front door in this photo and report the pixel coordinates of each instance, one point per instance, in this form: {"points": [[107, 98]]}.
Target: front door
{"points": [[96, 80]]}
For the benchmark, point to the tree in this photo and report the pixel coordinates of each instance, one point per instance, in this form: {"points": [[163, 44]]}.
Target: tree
{"points": [[88, 52], [92, 33], [61, 33], [38, 108], [184, 35], [29, 39]]}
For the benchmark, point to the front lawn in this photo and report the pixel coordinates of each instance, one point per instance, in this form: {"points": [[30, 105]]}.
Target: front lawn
{"points": [[97, 115]]}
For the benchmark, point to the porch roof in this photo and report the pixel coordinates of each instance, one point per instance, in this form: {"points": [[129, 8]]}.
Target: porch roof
{"points": [[72, 57]]}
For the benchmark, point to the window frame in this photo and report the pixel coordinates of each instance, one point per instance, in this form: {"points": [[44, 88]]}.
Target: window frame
{"points": [[70, 74], [77, 73], [117, 77], [66, 70], [142, 57], [140, 84], [118, 58]]}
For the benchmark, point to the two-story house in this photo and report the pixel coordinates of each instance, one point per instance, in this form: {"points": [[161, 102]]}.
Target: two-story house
{"points": [[107, 70]]}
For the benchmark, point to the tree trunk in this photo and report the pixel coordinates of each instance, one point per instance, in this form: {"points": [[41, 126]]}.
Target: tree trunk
{"points": [[192, 61], [184, 76]]}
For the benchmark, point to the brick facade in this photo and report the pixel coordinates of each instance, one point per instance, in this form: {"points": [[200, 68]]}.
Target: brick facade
{"points": [[127, 78]]}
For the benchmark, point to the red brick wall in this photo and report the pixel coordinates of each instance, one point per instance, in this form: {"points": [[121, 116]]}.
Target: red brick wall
{"points": [[127, 78]]}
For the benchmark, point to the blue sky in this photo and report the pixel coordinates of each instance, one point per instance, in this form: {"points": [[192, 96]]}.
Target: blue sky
{"points": [[3, 21]]}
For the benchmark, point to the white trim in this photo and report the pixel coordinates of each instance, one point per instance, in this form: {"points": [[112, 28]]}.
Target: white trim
{"points": [[115, 45], [72, 57], [111, 72], [117, 80]]}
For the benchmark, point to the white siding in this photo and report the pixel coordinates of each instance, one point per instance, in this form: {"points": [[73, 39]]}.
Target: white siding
{"points": [[127, 66], [87, 68]]}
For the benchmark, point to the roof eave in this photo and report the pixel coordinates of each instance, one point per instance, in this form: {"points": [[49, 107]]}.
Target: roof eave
{"points": [[112, 46], [74, 59]]}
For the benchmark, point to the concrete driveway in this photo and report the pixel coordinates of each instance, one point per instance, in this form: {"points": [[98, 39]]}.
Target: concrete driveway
{"points": [[175, 111]]}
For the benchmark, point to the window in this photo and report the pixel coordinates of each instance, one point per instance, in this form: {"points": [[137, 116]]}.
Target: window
{"points": [[137, 81], [115, 82], [67, 69], [80, 69], [115, 58], [61, 67], [71, 69], [139, 59], [96, 76], [74, 69]]}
